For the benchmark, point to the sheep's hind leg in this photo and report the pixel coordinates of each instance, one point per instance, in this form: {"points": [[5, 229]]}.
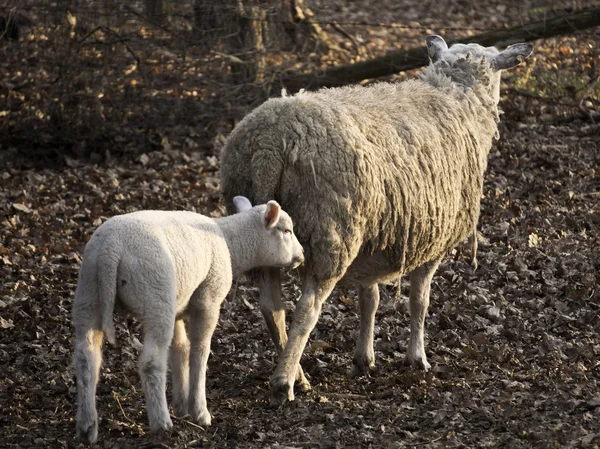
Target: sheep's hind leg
{"points": [[180, 368], [87, 360], [203, 321], [364, 355], [158, 332], [307, 313], [420, 286], [273, 311]]}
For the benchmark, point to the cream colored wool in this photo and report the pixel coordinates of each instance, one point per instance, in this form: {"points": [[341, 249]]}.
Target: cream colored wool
{"points": [[380, 181], [392, 168]]}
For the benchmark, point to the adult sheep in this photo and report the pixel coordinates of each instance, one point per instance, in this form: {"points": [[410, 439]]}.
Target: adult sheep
{"points": [[380, 181], [164, 266]]}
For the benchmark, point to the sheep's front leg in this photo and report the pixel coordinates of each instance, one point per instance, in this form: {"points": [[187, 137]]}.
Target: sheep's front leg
{"points": [[87, 358], [306, 315], [420, 286], [364, 355], [273, 311], [202, 324], [180, 368]]}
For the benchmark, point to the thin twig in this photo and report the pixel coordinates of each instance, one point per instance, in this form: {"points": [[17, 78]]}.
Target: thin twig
{"points": [[193, 443], [583, 195], [116, 396], [187, 422], [336, 26], [155, 446], [344, 395]]}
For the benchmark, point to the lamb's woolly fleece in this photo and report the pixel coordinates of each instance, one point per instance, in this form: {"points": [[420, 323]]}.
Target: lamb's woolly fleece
{"points": [[394, 170], [146, 258]]}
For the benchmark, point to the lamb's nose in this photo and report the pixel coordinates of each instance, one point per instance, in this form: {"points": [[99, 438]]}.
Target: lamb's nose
{"points": [[298, 260]]}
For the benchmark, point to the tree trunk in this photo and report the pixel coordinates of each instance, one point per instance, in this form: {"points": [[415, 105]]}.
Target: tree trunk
{"points": [[246, 29], [157, 11], [413, 58]]}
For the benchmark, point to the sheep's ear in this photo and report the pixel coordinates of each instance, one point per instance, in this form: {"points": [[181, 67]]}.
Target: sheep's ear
{"points": [[272, 213], [436, 45], [512, 56], [242, 203]]}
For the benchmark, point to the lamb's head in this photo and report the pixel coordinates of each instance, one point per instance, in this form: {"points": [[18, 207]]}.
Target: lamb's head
{"points": [[274, 234], [470, 63]]}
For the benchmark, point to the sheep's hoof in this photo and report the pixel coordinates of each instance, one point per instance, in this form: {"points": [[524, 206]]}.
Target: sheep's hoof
{"points": [[203, 418], [360, 369], [302, 384], [88, 434], [362, 365], [418, 362], [281, 391]]}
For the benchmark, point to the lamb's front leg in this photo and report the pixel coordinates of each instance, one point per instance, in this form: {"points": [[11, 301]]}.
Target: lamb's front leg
{"points": [[420, 286], [202, 324], [273, 312], [180, 368]]}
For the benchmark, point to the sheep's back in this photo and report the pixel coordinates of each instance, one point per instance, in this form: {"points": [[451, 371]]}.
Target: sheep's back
{"points": [[394, 168]]}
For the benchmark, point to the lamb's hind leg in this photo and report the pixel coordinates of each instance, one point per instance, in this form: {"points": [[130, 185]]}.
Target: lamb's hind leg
{"points": [[273, 311], [180, 368], [87, 358], [364, 355], [420, 286], [204, 317], [158, 333]]}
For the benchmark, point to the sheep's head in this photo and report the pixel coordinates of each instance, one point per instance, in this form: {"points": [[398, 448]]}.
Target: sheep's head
{"points": [[481, 63], [274, 233]]}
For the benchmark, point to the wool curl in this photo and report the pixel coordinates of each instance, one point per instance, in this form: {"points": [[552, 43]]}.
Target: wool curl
{"points": [[379, 180]]}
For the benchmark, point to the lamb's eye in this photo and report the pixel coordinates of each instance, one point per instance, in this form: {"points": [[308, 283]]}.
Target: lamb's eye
{"points": [[287, 231]]}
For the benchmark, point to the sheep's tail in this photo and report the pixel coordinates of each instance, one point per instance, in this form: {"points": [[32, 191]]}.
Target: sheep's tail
{"points": [[267, 169], [107, 293]]}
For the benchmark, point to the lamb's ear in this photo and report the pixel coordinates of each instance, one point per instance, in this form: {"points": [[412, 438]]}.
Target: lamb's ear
{"points": [[435, 46], [242, 203], [512, 56], [272, 213]]}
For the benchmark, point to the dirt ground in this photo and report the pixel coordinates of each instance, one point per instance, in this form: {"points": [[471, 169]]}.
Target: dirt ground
{"points": [[514, 345]]}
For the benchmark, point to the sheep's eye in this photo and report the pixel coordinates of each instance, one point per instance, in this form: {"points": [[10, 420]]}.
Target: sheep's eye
{"points": [[287, 231]]}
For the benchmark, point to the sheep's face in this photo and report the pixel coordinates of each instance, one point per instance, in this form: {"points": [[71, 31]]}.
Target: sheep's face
{"points": [[276, 242], [476, 54]]}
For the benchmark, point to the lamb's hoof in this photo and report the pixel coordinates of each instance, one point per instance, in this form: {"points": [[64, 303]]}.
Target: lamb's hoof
{"points": [[203, 418], [418, 362], [164, 424], [88, 433], [281, 392]]}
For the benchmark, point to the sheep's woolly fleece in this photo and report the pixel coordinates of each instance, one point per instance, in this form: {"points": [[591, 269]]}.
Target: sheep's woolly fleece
{"points": [[394, 168]]}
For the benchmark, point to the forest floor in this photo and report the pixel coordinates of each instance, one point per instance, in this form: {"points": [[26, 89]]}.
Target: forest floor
{"points": [[514, 345]]}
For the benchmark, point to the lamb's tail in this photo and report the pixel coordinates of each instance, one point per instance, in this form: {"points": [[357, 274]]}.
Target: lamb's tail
{"points": [[107, 267]]}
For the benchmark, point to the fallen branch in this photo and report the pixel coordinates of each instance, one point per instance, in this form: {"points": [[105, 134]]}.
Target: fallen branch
{"points": [[413, 58]]}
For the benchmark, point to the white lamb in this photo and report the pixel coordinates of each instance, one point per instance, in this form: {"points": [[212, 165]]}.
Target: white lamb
{"points": [[164, 266]]}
